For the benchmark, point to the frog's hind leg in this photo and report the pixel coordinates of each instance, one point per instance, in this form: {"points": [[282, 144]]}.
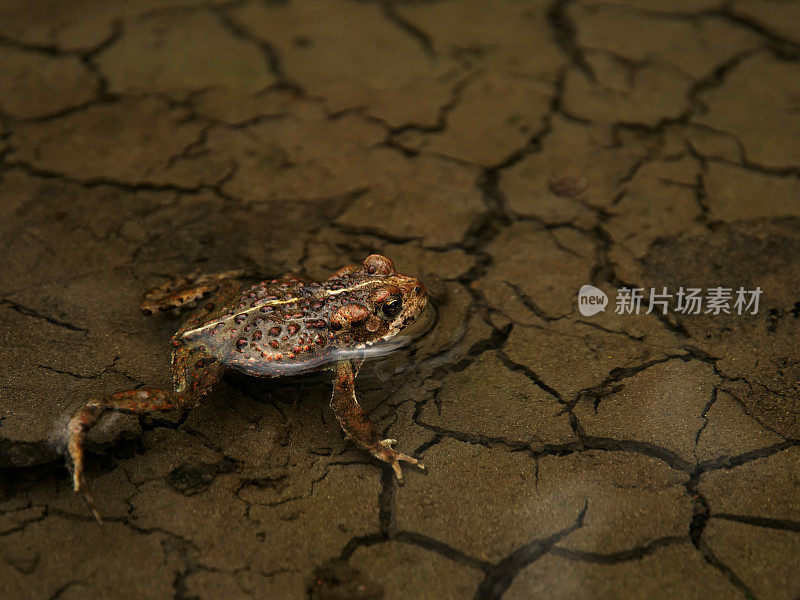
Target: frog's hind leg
{"points": [[194, 374], [355, 423], [184, 291], [140, 401]]}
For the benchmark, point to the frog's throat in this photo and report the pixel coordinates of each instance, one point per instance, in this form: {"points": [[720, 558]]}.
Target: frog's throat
{"points": [[324, 294]]}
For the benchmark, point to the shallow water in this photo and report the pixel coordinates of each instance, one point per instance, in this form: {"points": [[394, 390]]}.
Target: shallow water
{"points": [[507, 154]]}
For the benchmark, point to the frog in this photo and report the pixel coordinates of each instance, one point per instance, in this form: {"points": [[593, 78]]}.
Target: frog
{"points": [[275, 328]]}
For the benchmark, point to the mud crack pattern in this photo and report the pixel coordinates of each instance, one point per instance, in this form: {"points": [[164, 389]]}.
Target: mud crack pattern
{"points": [[505, 152]]}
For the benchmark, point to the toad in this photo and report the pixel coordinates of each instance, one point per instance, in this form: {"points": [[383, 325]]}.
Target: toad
{"points": [[274, 328]]}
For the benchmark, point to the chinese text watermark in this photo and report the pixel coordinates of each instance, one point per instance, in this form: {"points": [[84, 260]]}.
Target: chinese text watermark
{"points": [[686, 301]]}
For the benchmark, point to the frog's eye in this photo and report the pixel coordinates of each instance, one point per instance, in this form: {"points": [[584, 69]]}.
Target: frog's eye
{"points": [[390, 308]]}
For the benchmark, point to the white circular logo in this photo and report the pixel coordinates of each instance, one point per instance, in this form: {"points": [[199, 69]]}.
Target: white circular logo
{"points": [[591, 300]]}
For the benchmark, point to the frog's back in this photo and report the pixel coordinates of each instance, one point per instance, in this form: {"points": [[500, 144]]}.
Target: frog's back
{"points": [[274, 328], [288, 326]]}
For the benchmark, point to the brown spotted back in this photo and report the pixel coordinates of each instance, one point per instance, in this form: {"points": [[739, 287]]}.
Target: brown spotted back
{"points": [[288, 326]]}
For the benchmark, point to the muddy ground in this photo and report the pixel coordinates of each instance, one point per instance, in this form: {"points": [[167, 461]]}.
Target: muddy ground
{"points": [[505, 152]]}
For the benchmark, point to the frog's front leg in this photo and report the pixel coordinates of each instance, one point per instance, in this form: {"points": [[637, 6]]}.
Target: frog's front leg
{"points": [[356, 424]]}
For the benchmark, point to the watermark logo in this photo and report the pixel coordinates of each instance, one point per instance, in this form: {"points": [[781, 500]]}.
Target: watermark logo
{"points": [[591, 300], [686, 301]]}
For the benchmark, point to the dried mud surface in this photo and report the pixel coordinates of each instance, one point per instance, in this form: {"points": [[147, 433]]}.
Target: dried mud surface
{"points": [[507, 153]]}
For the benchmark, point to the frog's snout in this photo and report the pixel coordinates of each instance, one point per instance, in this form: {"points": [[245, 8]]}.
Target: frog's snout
{"points": [[413, 288]]}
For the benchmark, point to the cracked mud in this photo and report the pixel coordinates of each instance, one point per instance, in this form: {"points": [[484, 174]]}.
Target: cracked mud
{"points": [[506, 153]]}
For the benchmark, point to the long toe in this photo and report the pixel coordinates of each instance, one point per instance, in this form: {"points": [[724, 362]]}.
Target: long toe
{"points": [[92, 507], [398, 472], [408, 459]]}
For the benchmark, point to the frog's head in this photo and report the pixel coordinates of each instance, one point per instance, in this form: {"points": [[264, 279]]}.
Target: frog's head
{"points": [[381, 302]]}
